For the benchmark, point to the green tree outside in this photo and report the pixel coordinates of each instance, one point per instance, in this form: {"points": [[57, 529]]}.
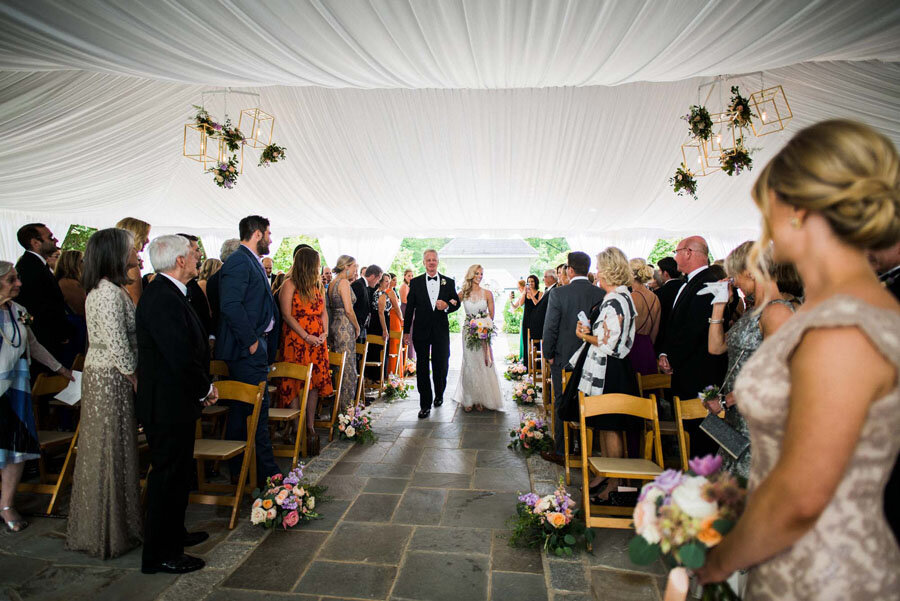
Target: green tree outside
{"points": [[409, 256], [284, 258], [553, 251], [664, 247], [77, 237]]}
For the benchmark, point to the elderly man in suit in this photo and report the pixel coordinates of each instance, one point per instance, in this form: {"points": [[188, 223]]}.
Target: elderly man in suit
{"points": [[174, 385], [560, 341], [247, 337]]}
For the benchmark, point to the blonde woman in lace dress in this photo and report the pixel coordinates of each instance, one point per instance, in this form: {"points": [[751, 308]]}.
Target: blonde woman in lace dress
{"points": [[479, 383], [105, 511], [821, 394]]}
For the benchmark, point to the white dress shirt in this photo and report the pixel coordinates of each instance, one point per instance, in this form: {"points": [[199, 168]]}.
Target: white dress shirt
{"points": [[434, 287], [689, 278], [183, 289]]}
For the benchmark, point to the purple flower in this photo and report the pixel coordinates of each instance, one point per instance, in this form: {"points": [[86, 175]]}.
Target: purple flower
{"points": [[529, 499], [668, 480], [217, 127], [705, 466]]}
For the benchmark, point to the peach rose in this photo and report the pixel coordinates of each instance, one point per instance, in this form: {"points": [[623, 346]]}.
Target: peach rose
{"points": [[708, 535], [557, 520]]}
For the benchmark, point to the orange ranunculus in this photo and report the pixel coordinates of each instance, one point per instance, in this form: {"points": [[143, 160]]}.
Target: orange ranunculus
{"points": [[267, 503], [708, 535], [557, 520]]}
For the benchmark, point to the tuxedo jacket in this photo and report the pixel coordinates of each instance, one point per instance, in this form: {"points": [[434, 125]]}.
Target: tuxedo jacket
{"points": [[361, 308], [430, 324], [44, 300], [539, 315], [197, 299], [559, 339], [212, 295], [173, 357], [666, 295], [246, 307], [686, 341]]}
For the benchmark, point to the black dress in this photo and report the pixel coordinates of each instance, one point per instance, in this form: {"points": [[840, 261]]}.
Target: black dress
{"points": [[374, 329], [528, 312]]}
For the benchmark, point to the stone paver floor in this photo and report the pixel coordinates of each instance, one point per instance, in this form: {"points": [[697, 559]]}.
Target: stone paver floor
{"points": [[420, 515]]}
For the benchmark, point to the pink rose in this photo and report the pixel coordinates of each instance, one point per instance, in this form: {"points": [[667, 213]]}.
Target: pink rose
{"points": [[291, 519]]}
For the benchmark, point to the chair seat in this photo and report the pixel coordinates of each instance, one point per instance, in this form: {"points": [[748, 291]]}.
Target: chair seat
{"points": [[215, 410], [638, 467], [283, 414], [51, 438], [206, 448]]}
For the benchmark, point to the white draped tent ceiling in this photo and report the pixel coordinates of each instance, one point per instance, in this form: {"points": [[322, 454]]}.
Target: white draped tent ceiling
{"points": [[501, 118]]}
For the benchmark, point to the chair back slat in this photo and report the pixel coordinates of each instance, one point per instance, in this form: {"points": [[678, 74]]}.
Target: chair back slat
{"points": [[218, 368], [46, 384], [690, 409], [396, 335], [653, 382], [373, 339], [625, 404], [233, 390], [285, 369], [361, 348]]}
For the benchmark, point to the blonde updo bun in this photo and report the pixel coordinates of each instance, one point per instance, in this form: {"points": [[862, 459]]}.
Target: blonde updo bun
{"points": [[845, 171], [643, 273], [343, 262]]}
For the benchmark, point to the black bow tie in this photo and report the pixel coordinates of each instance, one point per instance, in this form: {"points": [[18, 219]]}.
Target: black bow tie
{"points": [[431, 278]]}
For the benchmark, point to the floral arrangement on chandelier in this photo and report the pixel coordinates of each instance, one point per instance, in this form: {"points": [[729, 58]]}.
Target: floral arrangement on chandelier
{"points": [[202, 118], [699, 122], [225, 174], [271, 154], [739, 109], [232, 136], [684, 182], [737, 159]]}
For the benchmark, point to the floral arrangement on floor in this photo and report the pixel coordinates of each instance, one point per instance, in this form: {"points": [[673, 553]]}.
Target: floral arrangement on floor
{"points": [[737, 159], [512, 358], [681, 516], [202, 119], [478, 330], [355, 425], [286, 500], [532, 435], [525, 392], [396, 388], [515, 371], [699, 122], [550, 522], [225, 174], [684, 182], [271, 154], [739, 109]]}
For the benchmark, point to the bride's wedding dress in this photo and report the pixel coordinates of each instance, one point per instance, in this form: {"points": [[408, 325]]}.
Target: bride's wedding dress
{"points": [[478, 383]]}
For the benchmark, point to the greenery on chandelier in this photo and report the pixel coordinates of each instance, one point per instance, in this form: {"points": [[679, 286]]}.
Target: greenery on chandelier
{"points": [[699, 123], [739, 109], [737, 159], [684, 182], [232, 136], [225, 174], [271, 154]]}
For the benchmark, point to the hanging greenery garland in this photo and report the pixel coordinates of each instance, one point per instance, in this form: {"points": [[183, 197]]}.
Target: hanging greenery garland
{"points": [[232, 136], [699, 122], [737, 159], [210, 127], [739, 109], [684, 182]]}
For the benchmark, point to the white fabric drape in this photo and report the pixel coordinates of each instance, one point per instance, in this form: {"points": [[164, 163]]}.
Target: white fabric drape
{"points": [[473, 44], [367, 247]]}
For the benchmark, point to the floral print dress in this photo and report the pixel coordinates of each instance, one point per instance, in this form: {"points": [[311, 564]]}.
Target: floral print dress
{"points": [[296, 350]]}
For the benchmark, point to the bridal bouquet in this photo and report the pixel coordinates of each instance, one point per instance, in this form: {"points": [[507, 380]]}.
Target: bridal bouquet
{"points": [[516, 371], [355, 425], [396, 388], [285, 501], [478, 330], [524, 392], [550, 522], [681, 516], [532, 435]]}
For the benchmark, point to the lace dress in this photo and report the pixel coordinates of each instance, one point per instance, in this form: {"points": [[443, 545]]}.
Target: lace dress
{"points": [[342, 339], [105, 511], [850, 554], [478, 383]]}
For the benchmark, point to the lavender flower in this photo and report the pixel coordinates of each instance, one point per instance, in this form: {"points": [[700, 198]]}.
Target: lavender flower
{"points": [[529, 499], [668, 480], [705, 466]]}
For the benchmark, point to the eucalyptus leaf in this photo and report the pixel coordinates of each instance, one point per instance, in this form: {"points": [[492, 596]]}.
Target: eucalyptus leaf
{"points": [[641, 552], [692, 555]]}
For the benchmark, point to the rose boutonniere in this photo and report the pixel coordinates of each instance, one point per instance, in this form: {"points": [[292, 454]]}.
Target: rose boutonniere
{"points": [[26, 319], [443, 282]]}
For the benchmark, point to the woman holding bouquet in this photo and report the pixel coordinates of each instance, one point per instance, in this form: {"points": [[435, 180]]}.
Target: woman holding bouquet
{"points": [[821, 395], [479, 384]]}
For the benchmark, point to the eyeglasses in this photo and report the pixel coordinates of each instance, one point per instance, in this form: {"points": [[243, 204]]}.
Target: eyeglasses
{"points": [[677, 250]]}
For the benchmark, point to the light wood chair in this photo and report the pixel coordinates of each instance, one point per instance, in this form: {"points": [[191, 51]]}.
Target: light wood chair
{"points": [[287, 415], [535, 362], [52, 441], [570, 429], [78, 363], [371, 340], [361, 349], [207, 449], [400, 354], [656, 383], [638, 468], [337, 361], [686, 409], [547, 393], [216, 415]]}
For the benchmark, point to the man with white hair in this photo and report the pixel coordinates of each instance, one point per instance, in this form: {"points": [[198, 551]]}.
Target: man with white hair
{"points": [[173, 387]]}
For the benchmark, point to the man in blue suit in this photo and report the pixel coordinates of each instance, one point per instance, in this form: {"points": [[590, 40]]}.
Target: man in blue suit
{"points": [[247, 337]]}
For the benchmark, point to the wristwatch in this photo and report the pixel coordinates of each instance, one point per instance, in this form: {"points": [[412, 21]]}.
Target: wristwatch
{"points": [[711, 320]]}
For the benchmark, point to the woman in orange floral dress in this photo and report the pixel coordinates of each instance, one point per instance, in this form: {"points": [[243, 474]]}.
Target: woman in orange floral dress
{"points": [[305, 334], [395, 323]]}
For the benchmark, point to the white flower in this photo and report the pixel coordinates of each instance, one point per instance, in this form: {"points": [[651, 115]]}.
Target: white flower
{"points": [[350, 431], [538, 434], [271, 513], [543, 505], [311, 502], [257, 515], [257, 503], [689, 497], [645, 521]]}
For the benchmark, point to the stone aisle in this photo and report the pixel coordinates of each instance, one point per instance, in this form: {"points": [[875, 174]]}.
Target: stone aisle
{"points": [[419, 515]]}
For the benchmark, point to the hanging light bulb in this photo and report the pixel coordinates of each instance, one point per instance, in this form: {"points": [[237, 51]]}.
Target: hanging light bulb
{"points": [[719, 139], [762, 115]]}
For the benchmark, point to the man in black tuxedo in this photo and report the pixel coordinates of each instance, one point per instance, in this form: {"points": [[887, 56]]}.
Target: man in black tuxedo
{"points": [[559, 339], [684, 349], [40, 293], [539, 315], [362, 287], [196, 296], [173, 386], [432, 297], [666, 293]]}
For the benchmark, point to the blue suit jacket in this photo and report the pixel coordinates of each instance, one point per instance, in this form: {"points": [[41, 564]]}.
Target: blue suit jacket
{"points": [[246, 307]]}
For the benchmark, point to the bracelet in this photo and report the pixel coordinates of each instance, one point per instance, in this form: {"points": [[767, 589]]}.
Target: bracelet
{"points": [[711, 320]]}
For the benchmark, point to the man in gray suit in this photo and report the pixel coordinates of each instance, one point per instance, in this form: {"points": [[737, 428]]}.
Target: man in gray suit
{"points": [[560, 342]]}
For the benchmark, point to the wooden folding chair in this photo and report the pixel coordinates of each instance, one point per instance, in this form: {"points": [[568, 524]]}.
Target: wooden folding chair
{"points": [[78, 363], [547, 392], [371, 340], [304, 374], [207, 449], [361, 349], [610, 467], [400, 354], [50, 441], [656, 383], [216, 414], [535, 361], [570, 429], [686, 409], [337, 361]]}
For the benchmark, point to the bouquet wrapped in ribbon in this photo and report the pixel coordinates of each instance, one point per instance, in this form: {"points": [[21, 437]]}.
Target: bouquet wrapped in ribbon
{"points": [[285, 501], [679, 517]]}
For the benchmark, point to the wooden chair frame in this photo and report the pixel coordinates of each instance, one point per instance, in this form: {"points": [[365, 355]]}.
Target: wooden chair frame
{"points": [[294, 372], [656, 382], [361, 349], [337, 361], [221, 450], [218, 368], [78, 363], [535, 357], [572, 461], [401, 352], [638, 469], [372, 339], [686, 409], [547, 393]]}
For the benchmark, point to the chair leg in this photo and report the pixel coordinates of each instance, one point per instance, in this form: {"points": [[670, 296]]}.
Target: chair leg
{"points": [[566, 453], [300, 439], [239, 489], [64, 474]]}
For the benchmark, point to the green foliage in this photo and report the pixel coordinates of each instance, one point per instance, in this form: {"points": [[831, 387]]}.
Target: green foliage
{"points": [[77, 237], [693, 555], [512, 318], [664, 247], [410, 255], [553, 251], [456, 320], [641, 552], [283, 258]]}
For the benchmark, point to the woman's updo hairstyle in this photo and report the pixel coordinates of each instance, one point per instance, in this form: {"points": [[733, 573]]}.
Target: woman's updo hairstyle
{"points": [[643, 273], [343, 262]]}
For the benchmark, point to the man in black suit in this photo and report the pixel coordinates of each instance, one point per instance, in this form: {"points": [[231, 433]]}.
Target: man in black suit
{"points": [[559, 339], [666, 293], [196, 296], [432, 297], [40, 293], [363, 288], [212, 286], [684, 349], [539, 315], [174, 385]]}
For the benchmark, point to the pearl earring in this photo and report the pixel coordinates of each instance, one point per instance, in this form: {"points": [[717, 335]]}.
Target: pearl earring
{"points": [[795, 223]]}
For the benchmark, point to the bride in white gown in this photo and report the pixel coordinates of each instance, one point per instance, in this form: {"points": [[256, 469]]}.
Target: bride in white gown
{"points": [[479, 383]]}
